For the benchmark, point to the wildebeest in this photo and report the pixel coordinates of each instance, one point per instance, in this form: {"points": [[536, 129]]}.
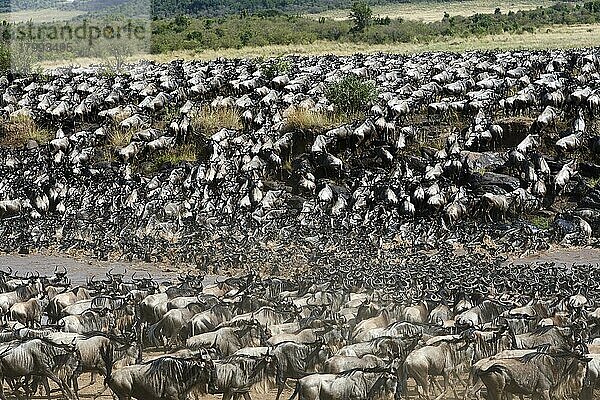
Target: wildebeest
{"points": [[360, 385], [546, 376], [236, 375], [39, 357], [164, 378]]}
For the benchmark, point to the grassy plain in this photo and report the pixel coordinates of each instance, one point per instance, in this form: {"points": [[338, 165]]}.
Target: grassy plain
{"points": [[430, 11]]}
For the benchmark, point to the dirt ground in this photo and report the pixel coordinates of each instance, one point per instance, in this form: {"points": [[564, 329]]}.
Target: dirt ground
{"points": [[95, 391]]}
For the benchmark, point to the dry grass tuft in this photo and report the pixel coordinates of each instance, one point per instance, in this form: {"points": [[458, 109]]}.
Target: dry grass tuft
{"points": [[305, 120], [118, 138], [17, 130], [209, 120]]}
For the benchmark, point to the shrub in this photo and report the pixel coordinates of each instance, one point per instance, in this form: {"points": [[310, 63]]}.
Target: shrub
{"points": [[118, 138], [276, 68], [541, 222], [351, 95]]}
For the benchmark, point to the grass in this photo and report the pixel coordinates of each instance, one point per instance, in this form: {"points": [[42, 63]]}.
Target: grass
{"points": [[17, 130], [209, 120], [306, 120], [174, 156], [431, 11], [594, 182]]}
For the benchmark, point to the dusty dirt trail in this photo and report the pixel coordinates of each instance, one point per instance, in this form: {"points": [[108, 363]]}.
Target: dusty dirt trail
{"points": [[79, 268]]}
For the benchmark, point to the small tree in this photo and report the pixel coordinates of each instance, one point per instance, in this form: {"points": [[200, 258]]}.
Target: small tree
{"points": [[351, 95], [361, 14]]}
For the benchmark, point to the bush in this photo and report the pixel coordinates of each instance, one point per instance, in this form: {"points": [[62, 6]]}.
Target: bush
{"points": [[351, 95], [276, 68]]}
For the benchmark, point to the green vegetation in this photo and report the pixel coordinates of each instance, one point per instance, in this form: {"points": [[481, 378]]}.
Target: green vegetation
{"points": [[351, 95], [594, 182], [17, 130], [276, 67], [540, 221], [261, 30]]}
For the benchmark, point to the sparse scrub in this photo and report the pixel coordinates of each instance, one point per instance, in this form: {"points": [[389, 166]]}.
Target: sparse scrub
{"points": [[19, 129], [351, 95], [209, 120]]}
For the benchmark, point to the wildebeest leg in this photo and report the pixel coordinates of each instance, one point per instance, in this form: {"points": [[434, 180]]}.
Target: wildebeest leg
{"points": [[495, 384], [64, 388], [446, 384], [434, 383], [75, 382], [280, 386], [423, 383]]}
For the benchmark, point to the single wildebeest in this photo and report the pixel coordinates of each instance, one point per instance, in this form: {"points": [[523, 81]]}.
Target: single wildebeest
{"points": [[555, 337], [29, 312], [338, 364], [296, 360], [40, 358], [449, 355], [236, 375], [166, 378], [229, 339], [544, 376], [309, 387], [360, 385]]}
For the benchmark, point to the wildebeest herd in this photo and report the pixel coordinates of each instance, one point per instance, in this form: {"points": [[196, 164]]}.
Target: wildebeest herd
{"points": [[467, 330], [396, 221], [478, 145]]}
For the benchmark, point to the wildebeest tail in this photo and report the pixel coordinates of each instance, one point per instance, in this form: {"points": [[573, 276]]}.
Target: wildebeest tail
{"points": [[403, 379], [107, 354]]}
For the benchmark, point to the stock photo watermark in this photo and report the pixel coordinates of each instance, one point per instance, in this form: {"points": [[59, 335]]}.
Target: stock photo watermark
{"points": [[102, 39]]}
